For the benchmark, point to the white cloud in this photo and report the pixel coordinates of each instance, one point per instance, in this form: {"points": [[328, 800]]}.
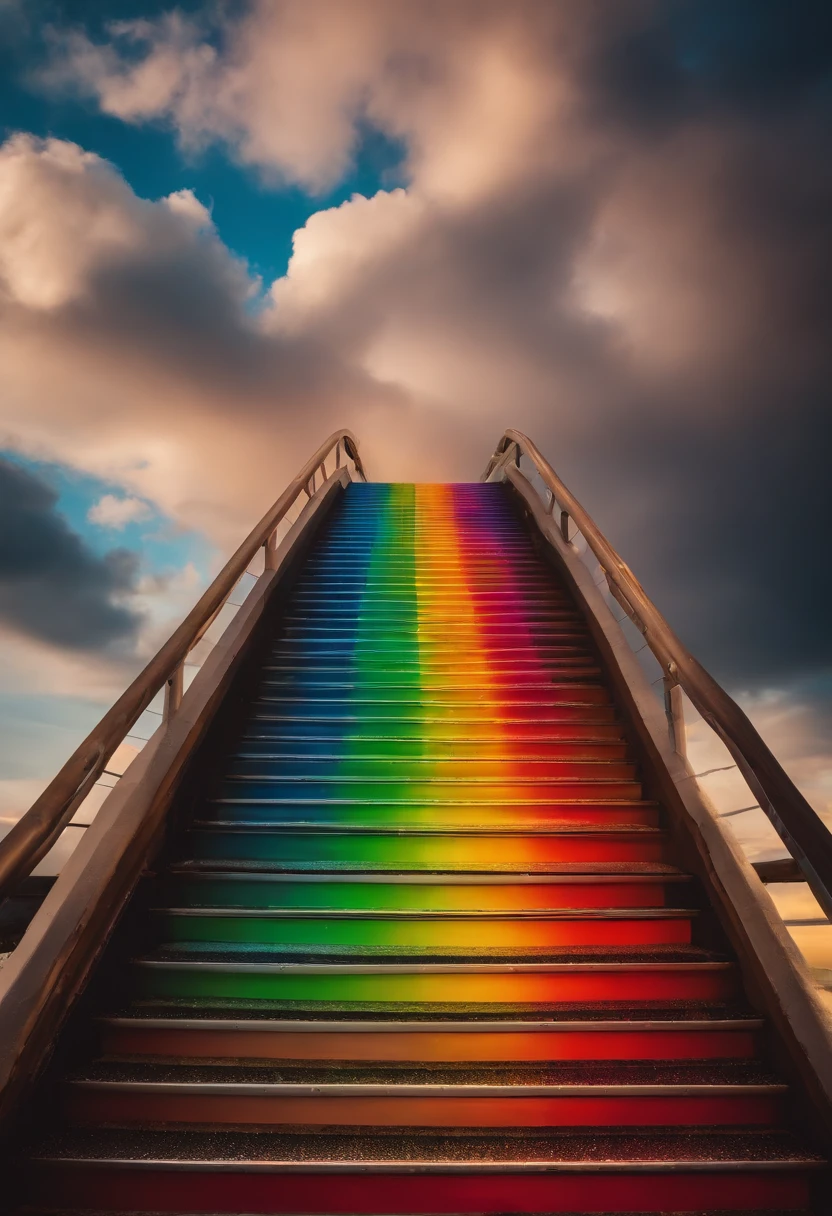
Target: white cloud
{"points": [[116, 513], [462, 84]]}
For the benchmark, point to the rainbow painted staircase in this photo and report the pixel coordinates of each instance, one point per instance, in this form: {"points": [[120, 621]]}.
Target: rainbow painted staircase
{"points": [[420, 942]]}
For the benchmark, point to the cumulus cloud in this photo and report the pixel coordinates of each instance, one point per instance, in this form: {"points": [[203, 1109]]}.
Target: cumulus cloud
{"points": [[130, 350], [615, 234], [113, 512], [52, 586]]}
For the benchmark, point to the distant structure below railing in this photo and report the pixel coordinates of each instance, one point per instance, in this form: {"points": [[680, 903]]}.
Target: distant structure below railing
{"points": [[802, 831], [40, 827]]}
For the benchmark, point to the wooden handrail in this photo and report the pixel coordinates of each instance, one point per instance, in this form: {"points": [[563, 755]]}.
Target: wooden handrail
{"points": [[800, 828], [37, 830]]}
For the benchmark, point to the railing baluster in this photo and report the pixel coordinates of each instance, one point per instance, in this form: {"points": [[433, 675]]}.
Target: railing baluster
{"points": [[270, 552], [674, 708], [174, 690]]}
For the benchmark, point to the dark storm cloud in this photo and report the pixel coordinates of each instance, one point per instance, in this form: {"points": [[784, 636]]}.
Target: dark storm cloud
{"points": [[52, 586], [684, 59], [736, 458]]}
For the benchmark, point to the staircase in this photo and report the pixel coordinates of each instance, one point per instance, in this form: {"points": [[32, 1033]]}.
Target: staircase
{"points": [[421, 946]]}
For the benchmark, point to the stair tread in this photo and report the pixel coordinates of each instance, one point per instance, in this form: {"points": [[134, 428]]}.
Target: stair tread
{"points": [[246, 865], [623, 1024], [591, 1017], [622, 1151], [432, 914], [657, 958], [568, 1077], [453, 879]]}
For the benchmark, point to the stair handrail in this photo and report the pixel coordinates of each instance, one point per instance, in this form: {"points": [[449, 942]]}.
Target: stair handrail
{"points": [[803, 832], [39, 827]]}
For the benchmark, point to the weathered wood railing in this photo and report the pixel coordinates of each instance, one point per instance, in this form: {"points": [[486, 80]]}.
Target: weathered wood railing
{"points": [[39, 828], [803, 832]]}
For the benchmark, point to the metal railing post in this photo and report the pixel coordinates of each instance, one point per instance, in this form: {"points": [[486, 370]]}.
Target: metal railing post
{"points": [[174, 691], [674, 708], [270, 552]]}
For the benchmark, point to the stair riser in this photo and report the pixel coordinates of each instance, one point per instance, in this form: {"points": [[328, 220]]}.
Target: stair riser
{"points": [[417, 771], [388, 626], [411, 990], [240, 1046], [478, 815], [427, 792], [340, 656], [433, 718], [427, 592], [462, 670], [441, 935], [462, 897], [568, 724], [95, 1107], [283, 748], [485, 696], [429, 579], [490, 1193], [419, 852]]}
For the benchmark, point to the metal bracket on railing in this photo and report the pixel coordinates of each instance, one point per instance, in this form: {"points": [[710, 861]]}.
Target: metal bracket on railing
{"points": [[174, 690], [496, 466], [564, 523], [674, 708], [270, 552]]}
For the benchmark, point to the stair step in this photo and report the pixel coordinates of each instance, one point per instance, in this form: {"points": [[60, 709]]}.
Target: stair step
{"points": [[388, 620], [284, 746], [346, 654], [403, 986], [506, 683], [400, 930], [432, 714], [262, 788], [454, 1042], [564, 741], [563, 722], [497, 816], [390, 1104], [418, 770], [523, 704], [457, 670], [396, 1175], [423, 892], [270, 845]]}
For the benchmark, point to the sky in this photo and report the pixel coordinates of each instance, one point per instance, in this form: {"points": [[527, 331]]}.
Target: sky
{"points": [[227, 229]]}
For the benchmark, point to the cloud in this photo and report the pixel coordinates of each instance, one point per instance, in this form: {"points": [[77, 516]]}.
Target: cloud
{"points": [[130, 348], [52, 587], [116, 513], [615, 234]]}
